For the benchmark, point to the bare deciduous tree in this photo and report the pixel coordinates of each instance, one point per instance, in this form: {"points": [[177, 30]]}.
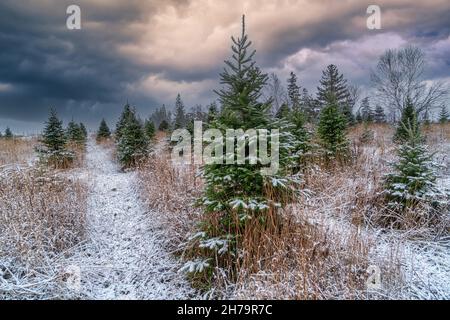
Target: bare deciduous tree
{"points": [[276, 92], [399, 74]]}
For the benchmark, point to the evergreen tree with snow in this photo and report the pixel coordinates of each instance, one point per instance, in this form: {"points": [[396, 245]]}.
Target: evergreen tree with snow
{"points": [[444, 115], [76, 133], [333, 83], [408, 120], [132, 145], [8, 133], [180, 120], [54, 140], [103, 131], [379, 115], [72, 131], [236, 192], [332, 129], [126, 114], [54, 136], [414, 178]]}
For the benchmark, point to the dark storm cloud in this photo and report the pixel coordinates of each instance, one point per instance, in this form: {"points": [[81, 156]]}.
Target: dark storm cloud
{"points": [[44, 64], [148, 51]]}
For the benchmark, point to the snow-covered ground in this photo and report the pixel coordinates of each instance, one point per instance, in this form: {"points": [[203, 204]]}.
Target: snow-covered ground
{"points": [[125, 255]]}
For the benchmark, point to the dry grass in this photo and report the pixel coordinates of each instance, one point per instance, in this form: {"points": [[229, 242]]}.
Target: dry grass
{"points": [[172, 190], [16, 150], [42, 216]]}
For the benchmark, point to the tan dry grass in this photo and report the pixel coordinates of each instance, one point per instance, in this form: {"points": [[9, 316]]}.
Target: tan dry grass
{"points": [[16, 150]]}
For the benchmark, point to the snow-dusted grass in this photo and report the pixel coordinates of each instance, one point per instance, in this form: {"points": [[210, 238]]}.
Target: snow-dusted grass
{"points": [[42, 216], [83, 234]]}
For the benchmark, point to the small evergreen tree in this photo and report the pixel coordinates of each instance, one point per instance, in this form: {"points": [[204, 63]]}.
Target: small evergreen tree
{"points": [[8, 133], [212, 113], [379, 115], [124, 117], [150, 129], [73, 131], [294, 92], [54, 140], [414, 179], [301, 138], [180, 114], [133, 144], [408, 120], [103, 131], [444, 115], [54, 137], [76, 133], [84, 133], [283, 112], [163, 126], [331, 129], [347, 112], [366, 110]]}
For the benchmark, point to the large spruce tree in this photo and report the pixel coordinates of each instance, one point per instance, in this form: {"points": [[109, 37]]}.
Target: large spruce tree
{"points": [[235, 193], [333, 83]]}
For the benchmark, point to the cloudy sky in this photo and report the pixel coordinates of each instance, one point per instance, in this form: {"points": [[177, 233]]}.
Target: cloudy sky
{"points": [[148, 51]]}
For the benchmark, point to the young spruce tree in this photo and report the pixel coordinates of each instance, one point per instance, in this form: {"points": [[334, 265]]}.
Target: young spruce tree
{"points": [[132, 145], [414, 178], [444, 115], [8, 133], [331, 129], [408, 120], [103, 131], [150, 129], [54, 140], [235, 193]]}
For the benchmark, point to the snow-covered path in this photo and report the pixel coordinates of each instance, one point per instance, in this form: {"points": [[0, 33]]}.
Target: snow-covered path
{"points": [[124, 256]]}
